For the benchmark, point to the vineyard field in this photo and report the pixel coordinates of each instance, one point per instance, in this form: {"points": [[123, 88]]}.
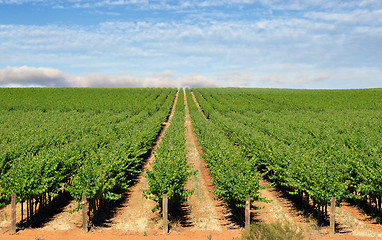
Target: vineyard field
{"points": [[85, 141], [228, 149], [318, 143]]}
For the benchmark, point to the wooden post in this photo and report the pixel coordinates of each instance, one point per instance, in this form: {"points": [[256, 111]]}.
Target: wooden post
{"points": [[27, 203], [247, 212], [84, 203], [22, 211], [332, 229], [13, 213], [165, 213], [30, 210]]}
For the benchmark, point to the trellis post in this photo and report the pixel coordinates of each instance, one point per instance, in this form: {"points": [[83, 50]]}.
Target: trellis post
{"points": [[332, 229], [247, 212], [13, 213], [84, 204], [165, 213]]}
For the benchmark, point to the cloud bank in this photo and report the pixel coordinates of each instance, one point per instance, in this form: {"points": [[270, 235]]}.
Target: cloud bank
{"points": [[47, 77], [32, 77], [298, 76]]}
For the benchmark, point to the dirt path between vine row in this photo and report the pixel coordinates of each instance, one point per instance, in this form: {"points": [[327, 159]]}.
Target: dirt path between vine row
{"points": [[350, 223], [202, 207], [281, 208], [5, 216], [135, 213], [66, 219], [56, 216], [352, 219]]}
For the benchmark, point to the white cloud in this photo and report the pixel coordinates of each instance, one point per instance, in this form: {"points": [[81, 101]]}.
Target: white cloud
{"points": [[195, 80], [291, 80], [295, 77], [164, 79], [29, 76], [47, 77]]}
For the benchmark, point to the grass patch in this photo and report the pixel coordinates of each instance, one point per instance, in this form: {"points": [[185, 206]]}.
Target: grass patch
{"points": [[273, 231]]}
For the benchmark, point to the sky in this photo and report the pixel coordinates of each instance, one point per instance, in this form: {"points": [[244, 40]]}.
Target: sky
{"points": [[304, 44]]}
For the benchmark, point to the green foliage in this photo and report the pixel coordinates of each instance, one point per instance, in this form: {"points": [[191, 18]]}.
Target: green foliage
{"points": [[85, 141], [129, 101], [319, 142], [170, 170]]}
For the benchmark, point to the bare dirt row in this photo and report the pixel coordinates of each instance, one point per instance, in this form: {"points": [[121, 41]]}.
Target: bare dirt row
{"points": [[135, 213], [202, 207]]}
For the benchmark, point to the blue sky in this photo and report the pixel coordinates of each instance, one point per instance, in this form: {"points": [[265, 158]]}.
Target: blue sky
{"points": [[200, 43]]}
